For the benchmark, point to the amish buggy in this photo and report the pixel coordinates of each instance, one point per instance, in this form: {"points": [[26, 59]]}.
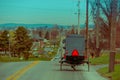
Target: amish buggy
{"points": [[74, 51]]}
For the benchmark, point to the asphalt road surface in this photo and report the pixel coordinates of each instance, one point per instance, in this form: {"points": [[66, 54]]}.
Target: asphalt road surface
{"points": [[45, 70]]}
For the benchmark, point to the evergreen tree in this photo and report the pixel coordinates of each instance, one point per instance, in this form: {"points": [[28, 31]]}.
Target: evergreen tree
{"points": [[4, 40], [23, 42]]}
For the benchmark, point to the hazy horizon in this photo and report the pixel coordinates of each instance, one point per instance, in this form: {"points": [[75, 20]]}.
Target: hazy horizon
{"points": [[41, 11]]}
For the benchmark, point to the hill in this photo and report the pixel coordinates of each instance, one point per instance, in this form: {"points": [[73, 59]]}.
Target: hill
{"points": [[9, 26]]}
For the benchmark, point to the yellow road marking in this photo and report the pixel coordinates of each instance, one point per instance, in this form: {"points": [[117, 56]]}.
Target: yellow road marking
{"points": [[20, 72]]}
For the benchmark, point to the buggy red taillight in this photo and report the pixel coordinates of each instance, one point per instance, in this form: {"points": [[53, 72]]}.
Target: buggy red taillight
{"points": [[75, 53]]}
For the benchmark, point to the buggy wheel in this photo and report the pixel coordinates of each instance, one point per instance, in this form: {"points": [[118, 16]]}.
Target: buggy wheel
{"points": [[61, 66], [73, 66], [88, 66]]}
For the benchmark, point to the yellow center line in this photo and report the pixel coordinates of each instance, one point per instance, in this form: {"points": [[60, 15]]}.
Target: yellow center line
{"points": [[20, 72]]}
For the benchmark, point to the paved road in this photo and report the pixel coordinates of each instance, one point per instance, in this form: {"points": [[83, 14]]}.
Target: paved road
{"points": [[7, 69], [45, 70]]}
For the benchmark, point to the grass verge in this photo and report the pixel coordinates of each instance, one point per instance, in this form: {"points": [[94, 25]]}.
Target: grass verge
{"points": [[113, 75], [103, 59]]}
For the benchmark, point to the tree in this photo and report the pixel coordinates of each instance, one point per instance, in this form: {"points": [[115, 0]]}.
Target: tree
{"points": [[118, 36], [23, 42], [4, 40], [108, 19], [41, 33], [104, 18], [54, 34], [47, 35], [12, 42], [73, 30], [93, 49]]}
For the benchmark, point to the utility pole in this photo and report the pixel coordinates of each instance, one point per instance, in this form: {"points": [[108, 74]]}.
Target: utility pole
{"points": [[97, 24], [113, 35], [87, 30], [78, 16]]}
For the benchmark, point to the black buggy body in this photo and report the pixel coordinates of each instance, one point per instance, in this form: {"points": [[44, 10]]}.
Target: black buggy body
{"points": [[74, 51]]}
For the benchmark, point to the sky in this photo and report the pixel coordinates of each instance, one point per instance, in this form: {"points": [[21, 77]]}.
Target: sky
{"points": [[41, 11]]}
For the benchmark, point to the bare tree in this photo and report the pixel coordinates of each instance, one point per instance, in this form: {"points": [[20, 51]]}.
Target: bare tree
{"points": [[47, 35], [105, 19], [54, 34], [108, 19], [73, 30]]}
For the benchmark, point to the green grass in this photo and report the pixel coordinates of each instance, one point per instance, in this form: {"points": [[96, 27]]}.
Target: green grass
{"points": [[114, 75], [42, 57], [117, 56], [8, 59], [103, 59]]}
